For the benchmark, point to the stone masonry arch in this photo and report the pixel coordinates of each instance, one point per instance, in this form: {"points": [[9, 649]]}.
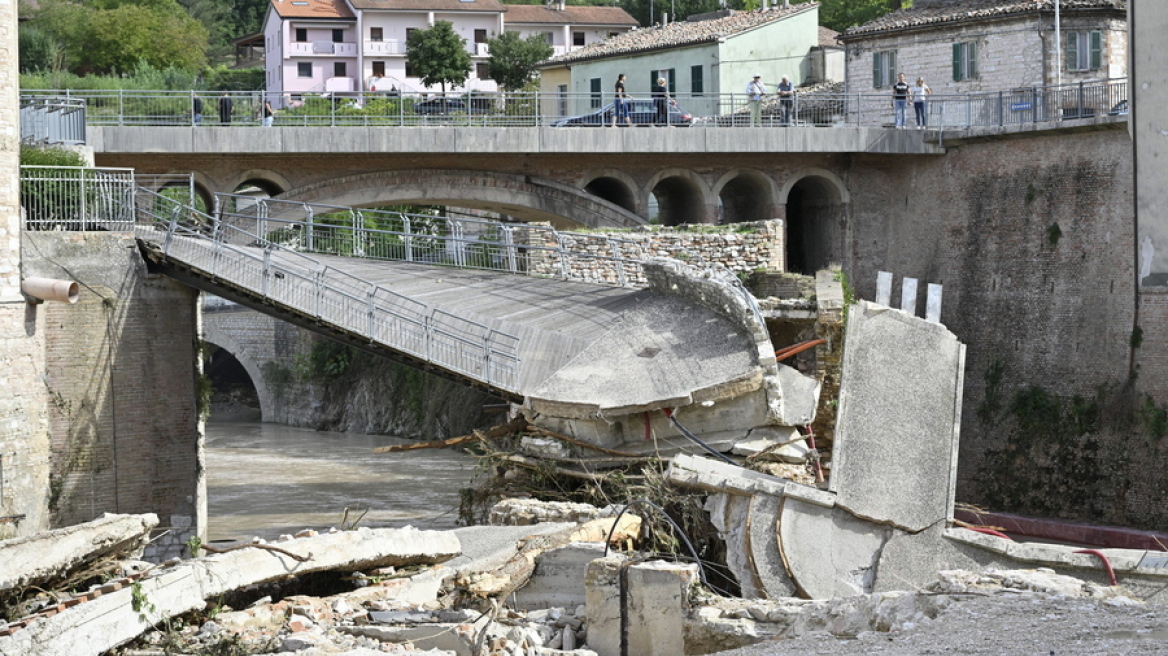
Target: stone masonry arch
{"points": [[218, 335], [746, 195], [616, 187], [524, 197], [815, 211], [682, 197], [268, 180]]}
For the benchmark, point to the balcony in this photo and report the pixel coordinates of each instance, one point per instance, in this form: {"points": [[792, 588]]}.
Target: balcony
{"points": [[308, 48]]}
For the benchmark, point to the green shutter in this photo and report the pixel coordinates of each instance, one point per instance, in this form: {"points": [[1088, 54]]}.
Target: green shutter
{"points": [[891, 72], [958, 63], [1096, 50], [672, 82], [877, 79], [972, 54], [695, 79], [1072, 51]]}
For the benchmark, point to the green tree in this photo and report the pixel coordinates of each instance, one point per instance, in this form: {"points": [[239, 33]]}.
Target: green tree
{"points": [[39, 51], [438, 55], [839, 15], [513, 59]]}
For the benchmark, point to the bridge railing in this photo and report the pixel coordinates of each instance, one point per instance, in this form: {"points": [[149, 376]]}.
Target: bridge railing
{"points": [[52, 120], [462, 242], [279, 275], [88, 198], [519, 109]]}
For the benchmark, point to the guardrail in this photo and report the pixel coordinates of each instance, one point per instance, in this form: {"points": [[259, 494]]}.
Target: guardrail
{"points": [[86, 198], [52, 120], [328, 294], [518, 109]]}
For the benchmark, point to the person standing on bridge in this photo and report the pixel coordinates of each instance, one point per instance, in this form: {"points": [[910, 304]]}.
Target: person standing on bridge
{"points": [[661, 102], [900, 100], [620, 106], [920, 94], [196, 108], [786, 100], [754, 93], [225, 107], [269, 114]]}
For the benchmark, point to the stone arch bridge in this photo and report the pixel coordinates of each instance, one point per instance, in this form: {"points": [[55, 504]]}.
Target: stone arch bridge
{"points": [[572, 178]]}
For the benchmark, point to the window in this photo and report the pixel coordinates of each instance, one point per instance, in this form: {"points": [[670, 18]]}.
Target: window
{"points": [[551, 38], [594, 87], [482, 71], [884, 69], [338, 36], [480, 36], [302, 35], [338, 69], [304, 69], [695, 80], [378, 69], [964, 61], [577, 38], [375, 34], [1084, 51]]}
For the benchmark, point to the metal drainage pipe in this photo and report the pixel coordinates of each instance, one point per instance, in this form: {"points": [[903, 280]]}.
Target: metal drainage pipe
{"points": [[48, 289]]}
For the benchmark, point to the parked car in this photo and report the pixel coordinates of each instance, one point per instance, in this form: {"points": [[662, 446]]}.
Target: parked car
{"points": [[444, 105], [642, 112]]}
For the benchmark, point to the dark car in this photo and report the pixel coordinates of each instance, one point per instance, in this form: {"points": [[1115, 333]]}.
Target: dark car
{"points": [[641, 112], [443, 105]]}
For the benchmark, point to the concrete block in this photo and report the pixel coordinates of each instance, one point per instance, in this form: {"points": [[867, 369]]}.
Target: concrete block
{"points": [[829, 553], [899, 417], [648, 617], [762, 438], [558, 580], [792, 397], [714, 476]]}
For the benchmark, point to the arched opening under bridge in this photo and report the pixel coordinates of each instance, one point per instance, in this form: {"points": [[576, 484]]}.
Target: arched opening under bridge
{"points": [[679, 200], [816, 213], [613, 190], [746, 195]]}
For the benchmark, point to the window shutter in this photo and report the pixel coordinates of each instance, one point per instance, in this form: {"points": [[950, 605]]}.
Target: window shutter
{"points": [[877, 79], [972, 59], [1072, 51], [695, 79], [652, 79], [672, 81], [1096, 50], [958, 65]]}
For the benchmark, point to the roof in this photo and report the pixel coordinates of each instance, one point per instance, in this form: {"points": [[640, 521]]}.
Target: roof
{"points": [[572, 14], [827, 37], [311, 9], [428, 5], [679, 34], [930, 13]]}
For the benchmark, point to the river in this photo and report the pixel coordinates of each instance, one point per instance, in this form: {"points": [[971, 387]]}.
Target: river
{"points": [[268, 479]]}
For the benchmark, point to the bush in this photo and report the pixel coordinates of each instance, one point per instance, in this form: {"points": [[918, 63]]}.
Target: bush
{"points": [[30, 156]]}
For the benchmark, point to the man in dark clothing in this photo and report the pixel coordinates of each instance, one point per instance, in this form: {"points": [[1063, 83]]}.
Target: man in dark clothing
{"points": [[225, 107], [786, 100], [197, 109], [661, 102], [900, 100]]}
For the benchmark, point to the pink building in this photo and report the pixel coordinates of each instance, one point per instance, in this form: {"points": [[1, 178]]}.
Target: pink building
{"points": [[317, 46]]}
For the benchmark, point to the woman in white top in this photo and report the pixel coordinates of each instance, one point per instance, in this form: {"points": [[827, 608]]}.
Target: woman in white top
{"points": [[919, 93]]}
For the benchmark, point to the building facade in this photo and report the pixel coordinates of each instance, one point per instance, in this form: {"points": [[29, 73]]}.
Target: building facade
{"points": [[355, 46], [969, 46]]}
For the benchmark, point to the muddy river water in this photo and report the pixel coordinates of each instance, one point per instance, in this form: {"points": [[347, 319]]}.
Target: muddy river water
{"points": [[268, 479]]}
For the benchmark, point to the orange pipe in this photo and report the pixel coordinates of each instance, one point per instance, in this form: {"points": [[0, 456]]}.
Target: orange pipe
{"points": [[783, 354]]}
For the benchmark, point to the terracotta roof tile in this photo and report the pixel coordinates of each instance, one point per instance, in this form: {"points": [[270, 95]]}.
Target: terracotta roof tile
{"points": [[311, 9], [680, 33], [428, 5], [827, 37], [930, 13], [572, 14]]}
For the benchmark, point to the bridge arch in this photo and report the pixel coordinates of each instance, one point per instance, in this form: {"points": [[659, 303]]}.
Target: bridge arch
{"points": [[526, 198], [268, 181], [746, 195], [213, 334], [614, 186], [816, 213], [682, 197]]}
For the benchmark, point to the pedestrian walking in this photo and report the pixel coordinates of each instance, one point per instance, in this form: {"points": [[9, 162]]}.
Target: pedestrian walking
{"points": [[920, 94], [225, 107], [196, 109], [620, 106], [900, 101], [755, 91], [661, 102], [269, 114], [786, 100]]}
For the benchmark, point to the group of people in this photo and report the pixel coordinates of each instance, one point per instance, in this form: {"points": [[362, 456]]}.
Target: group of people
{"points": [[226, 107], [919, 93], [756, 91], [661, 103]]}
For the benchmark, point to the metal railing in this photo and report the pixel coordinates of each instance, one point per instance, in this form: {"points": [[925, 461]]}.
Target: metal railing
{"points": [[52, 120], [390, 107], [328, 294], [86, 198]]}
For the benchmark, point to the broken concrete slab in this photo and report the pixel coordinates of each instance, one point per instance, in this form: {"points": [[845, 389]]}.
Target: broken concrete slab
{"points": [[33, 559], [713, 476], [766, 437], [791, 397], [558, 579], [645, 614], [730, 514], [96, 626], [765, 560], [828, 552], [897, 433]]}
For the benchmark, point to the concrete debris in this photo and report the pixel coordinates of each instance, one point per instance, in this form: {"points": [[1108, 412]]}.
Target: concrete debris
{"points": [[525, 512], [36, 560], [112, 619]]}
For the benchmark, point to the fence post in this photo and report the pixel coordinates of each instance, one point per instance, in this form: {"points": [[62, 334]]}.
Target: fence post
{"points": [[84, 199], [618, 261], [407, 238], [509, 242], [121, 107], [372, 312], [308, 236], [1001, 109], [266, 273]]}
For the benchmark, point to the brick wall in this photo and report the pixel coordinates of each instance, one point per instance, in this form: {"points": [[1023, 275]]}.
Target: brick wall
{"points": [[120, 371]]}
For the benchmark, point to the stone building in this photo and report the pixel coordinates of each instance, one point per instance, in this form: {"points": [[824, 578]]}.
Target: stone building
{"points": [[968, 46]]}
